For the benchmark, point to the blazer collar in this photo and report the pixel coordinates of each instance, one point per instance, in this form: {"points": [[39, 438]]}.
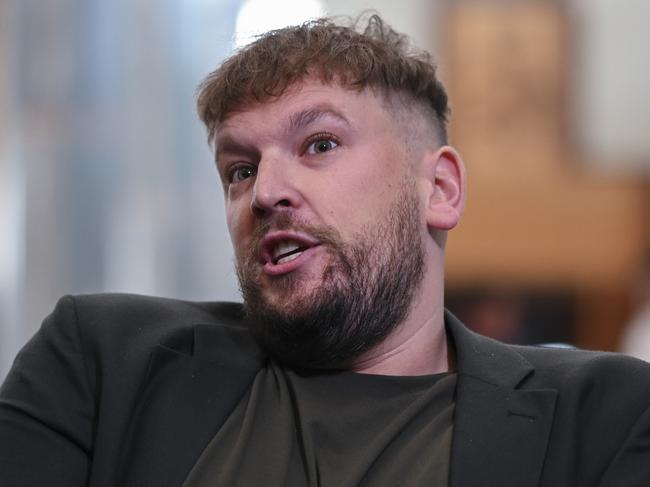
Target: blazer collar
{"points": [[501, 427], [196, 377], [484, 358]]}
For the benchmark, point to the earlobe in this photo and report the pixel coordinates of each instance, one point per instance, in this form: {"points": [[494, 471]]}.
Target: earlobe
{"points": [[446, 173]]}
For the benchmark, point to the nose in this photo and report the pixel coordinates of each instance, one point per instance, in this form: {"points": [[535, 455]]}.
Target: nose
{"points": [[275, 189]]}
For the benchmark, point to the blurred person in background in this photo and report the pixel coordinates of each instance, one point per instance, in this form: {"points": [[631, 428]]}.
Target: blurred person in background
{"points": [[342, 366]]}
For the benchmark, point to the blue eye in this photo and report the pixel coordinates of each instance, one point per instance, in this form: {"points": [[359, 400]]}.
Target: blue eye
{"points": [[321, 146], [241, 173]]}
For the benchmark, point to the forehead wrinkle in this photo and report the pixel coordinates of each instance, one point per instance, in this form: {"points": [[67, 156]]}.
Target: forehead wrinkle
{"points": [[229, 143], [296, 121], [306, 117]]}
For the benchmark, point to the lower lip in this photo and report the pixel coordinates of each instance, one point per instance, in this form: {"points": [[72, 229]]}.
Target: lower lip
{"points": [[279, 269]]}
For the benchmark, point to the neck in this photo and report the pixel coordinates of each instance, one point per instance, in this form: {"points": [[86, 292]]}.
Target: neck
{"points": [[418, 345]]}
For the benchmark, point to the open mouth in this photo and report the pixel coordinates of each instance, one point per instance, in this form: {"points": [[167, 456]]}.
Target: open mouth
{"points": [[283, 247], [286, 251]]}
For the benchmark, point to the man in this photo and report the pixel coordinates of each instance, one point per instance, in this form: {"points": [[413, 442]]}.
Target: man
{"points": [[342, 368]]}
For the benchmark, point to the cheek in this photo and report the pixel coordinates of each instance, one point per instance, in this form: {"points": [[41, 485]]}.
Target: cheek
{"points": [[238, 225], [366, 177], [375, 191]]}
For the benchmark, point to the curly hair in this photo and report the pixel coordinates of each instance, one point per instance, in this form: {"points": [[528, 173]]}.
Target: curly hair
{"points": [[356, 57]]}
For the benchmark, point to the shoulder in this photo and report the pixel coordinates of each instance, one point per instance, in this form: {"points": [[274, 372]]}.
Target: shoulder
{"points": [[573, 367], [589, 381], [126, 317], [115, 334], [75, 385], [107, 341], [544, 367], [602, 411], [601, 406], [98, 308], [610, 390]]}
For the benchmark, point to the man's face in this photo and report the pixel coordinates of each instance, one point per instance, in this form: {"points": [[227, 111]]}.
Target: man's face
{"points": [[322, 212]]}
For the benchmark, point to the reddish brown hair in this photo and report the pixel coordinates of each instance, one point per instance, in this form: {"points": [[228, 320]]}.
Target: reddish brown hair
{"points": [[374, 56]]}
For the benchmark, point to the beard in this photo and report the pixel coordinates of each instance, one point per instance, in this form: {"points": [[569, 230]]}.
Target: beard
{"points": [[365, 291]]}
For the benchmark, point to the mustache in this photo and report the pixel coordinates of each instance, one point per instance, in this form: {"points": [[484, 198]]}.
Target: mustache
{"points": [[247, 265], [325, 235]]}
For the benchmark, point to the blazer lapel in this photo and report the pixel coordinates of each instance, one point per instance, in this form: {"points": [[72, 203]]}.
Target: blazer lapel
{"points": [[195, 380], [500, 430]]}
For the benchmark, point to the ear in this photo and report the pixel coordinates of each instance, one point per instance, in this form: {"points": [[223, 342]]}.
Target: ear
{"points": [[445, 173]]}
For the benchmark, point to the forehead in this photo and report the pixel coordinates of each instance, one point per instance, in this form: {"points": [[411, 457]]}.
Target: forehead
{"points": [[304, 103]]}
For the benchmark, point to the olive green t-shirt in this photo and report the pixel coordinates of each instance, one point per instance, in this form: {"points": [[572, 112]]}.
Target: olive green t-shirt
{"points": [[339, 429]]}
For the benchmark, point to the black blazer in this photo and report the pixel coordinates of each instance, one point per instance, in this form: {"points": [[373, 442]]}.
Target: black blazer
{"points": [[119, 390]]}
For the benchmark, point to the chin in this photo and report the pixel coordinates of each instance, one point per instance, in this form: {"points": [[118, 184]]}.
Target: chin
{"points": [[292, 298]]}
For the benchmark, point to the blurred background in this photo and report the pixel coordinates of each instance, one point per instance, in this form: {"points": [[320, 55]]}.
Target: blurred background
{"points": [[107, 183]]}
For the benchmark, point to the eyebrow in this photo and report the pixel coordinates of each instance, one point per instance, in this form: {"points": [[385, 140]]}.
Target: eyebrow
{"points": [[304, 118], [296, 121], [229, 145]]}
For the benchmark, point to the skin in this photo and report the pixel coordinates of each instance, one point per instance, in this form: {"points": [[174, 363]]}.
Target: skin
{"points": [[337, 158]]}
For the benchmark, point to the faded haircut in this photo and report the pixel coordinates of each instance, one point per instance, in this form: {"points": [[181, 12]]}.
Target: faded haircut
{"points": [[366, 53]]}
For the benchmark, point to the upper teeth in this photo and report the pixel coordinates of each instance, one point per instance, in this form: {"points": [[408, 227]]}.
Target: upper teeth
{"points": [[284, 247]]}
